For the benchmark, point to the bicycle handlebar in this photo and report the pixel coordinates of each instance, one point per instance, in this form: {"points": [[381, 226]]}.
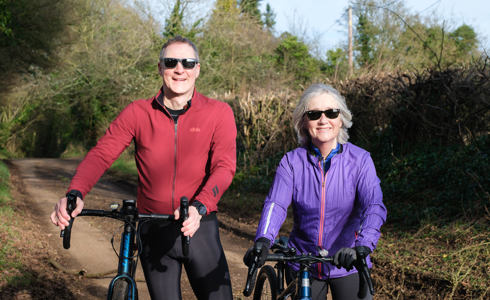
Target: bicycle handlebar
{"points": [[251, 275], [308, 259], [122, 215], [71, 204], [184, 211]]}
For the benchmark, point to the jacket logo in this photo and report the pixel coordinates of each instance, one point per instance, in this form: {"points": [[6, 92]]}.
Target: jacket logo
{"points": [[195, 129], [215, 191]]}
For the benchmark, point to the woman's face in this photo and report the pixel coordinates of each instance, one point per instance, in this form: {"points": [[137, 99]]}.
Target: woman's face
{"points": [[324, 131]]}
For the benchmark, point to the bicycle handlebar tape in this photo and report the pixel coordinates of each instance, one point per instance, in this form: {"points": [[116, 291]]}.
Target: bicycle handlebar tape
{"points": [[184, 211], [365, 281], [71, 204], [251, 276]]}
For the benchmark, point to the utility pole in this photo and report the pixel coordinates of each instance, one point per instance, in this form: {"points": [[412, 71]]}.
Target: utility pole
{"points": [[350, 42]]}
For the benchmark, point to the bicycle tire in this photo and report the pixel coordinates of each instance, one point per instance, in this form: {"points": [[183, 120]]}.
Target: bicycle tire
{"points": [[120, 290], [266, 285]]}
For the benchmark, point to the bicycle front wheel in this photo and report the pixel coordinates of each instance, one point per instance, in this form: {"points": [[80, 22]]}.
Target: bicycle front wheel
{"points": [[120, 290], [266, 285]]}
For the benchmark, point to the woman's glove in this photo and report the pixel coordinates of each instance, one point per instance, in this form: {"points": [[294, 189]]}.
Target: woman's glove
{"points": [[257, 253], [346, 257]]}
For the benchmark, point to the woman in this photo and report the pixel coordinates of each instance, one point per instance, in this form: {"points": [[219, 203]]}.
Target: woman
{"points": [[334, 190]]}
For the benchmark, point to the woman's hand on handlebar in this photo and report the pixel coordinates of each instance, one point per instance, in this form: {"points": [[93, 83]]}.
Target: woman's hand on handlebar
{"points": [[191, 225], [60, 217]]}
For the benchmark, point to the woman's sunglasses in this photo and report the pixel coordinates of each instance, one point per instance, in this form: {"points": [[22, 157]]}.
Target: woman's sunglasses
{"points": [[187, 63], [329, 113]]}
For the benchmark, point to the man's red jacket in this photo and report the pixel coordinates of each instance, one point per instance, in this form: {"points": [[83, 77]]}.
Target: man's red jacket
{"points": [[195, 157]]}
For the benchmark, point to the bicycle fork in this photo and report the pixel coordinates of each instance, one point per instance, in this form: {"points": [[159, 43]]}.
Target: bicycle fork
{"points": [[126, 265]]}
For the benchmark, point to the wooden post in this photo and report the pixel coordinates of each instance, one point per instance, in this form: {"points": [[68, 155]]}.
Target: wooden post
{"points": [[351, 64]]}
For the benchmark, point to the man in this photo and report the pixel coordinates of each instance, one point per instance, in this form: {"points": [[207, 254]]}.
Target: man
{"points": [[185, 146]]}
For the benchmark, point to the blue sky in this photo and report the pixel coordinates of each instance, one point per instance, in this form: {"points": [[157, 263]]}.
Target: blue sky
{"points": [[318, 20]]}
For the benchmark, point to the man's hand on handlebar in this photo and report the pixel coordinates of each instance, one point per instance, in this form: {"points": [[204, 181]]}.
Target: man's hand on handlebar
{"points": [[60, 217], [191, 225]]}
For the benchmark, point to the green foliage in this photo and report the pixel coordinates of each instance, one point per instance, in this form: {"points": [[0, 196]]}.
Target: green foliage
{"points": [[364, 38], [27, 40], [465, 39], [389, 37], [269, 17], [8, 254], [251, 8], [292, 56], [104, 69], [225, 7], [5, 19], [235, 54], [437, 184], [174, 24], [336, 64]]}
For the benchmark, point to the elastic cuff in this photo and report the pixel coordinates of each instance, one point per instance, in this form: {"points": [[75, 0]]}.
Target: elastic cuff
{"points": [[76, 193]]}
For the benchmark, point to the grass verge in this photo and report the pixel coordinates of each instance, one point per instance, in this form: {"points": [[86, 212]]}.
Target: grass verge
{"points": [[9, 258]]}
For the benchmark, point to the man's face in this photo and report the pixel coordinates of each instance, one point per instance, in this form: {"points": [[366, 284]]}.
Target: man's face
{"points": [[179, 81]]}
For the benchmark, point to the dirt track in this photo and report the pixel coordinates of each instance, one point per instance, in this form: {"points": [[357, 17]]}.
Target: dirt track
{"points": [[45, 180]]}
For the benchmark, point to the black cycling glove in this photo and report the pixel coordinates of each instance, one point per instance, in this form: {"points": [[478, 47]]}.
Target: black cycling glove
{"points": [[257, 253], [346, 257], [362, 251]]}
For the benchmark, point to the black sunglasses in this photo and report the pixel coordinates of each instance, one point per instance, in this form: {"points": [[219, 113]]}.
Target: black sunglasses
{"points": [[187, 63], [329, 113]]}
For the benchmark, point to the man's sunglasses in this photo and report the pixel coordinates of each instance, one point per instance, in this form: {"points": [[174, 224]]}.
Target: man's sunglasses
{"points": [[187, 63], [317, 114]]}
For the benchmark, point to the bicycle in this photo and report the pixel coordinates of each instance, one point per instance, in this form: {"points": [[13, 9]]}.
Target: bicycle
{"points": [[123, 285], [270, 283]]}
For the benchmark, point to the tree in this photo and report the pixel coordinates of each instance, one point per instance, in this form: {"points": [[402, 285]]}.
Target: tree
{"points": [[269, 18], [236, 53], [465, 39], [388, 37], [174, 24], [336, 63], [292, 56], [365, 37], [225, 6], [251, 8]]}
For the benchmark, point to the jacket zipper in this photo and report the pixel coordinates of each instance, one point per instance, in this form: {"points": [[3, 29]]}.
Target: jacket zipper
{"points": [[175, 165], [322, 214]]}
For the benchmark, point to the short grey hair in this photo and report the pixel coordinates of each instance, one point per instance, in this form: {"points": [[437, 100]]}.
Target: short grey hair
{"points": [[178, 39], [314, 90]]}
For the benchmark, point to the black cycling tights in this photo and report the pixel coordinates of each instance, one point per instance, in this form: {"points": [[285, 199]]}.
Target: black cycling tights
{"points": [[341, 288], [206, 266]]}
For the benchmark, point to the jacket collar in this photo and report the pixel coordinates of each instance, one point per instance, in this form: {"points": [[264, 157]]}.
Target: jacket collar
{"points": [[157, 101], [314, 158]]}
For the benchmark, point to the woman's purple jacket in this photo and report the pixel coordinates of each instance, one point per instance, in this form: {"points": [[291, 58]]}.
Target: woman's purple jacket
{"points": [[342, 208]]}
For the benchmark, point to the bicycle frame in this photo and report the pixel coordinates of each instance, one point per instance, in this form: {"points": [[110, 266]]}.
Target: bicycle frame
{"points": [[300, 287], [127, 265]]}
